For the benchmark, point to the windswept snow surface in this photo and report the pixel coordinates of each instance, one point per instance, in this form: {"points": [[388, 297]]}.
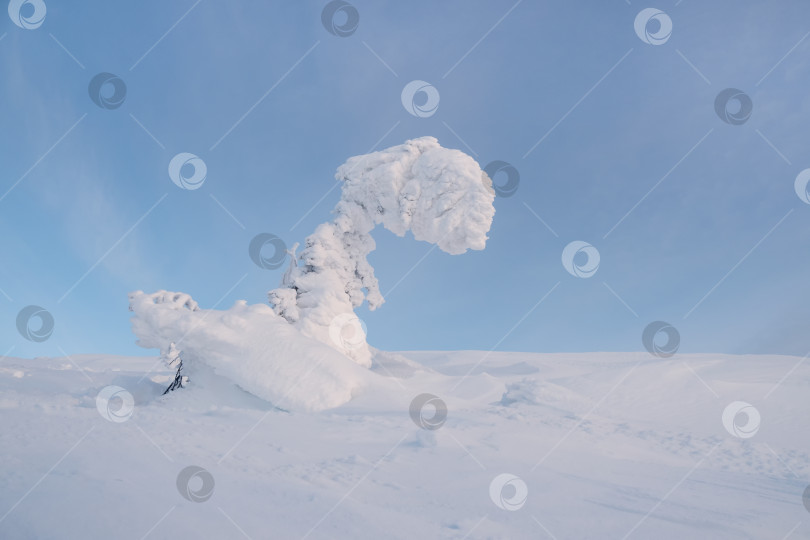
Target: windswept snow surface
{"points": [[608, 445]]}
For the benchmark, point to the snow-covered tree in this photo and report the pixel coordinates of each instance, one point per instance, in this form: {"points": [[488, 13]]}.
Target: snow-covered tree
{"points": [[173, 361], [441, 195], [306, 351]]}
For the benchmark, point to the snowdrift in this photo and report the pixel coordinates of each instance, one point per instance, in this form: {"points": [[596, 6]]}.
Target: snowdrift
{"points": [[250, 345]]}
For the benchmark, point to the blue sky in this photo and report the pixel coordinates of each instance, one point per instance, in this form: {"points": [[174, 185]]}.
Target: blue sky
{"points": [[90, 213]]}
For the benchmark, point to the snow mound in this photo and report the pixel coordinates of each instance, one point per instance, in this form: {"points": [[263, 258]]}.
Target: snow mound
{"points": [[250, 345], [530, 391]]}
